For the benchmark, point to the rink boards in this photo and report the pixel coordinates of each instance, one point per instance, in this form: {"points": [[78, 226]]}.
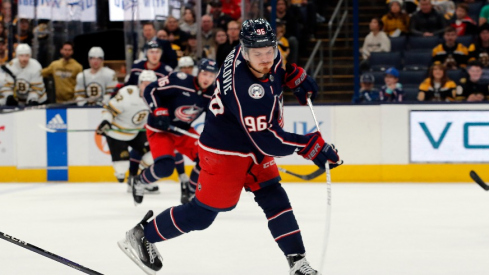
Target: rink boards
{"points": [[379, 143]]}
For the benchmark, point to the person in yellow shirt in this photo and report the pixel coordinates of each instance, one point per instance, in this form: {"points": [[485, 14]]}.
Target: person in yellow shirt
{"points": [[437, 87], [64, 72], [396, 22], [283, 43]]}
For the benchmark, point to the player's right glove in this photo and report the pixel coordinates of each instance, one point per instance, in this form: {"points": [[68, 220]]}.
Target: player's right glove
{"points": [[161, 119], [11, 101], [103, 127], [319, 152]]}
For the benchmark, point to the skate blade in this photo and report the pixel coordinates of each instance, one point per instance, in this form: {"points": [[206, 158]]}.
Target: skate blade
{"points": [[152, 192], [125, 247]]}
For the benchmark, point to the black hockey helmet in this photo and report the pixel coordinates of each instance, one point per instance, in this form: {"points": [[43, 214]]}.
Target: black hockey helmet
{"points": [[152, 45], [208, 65], [257, 33]]}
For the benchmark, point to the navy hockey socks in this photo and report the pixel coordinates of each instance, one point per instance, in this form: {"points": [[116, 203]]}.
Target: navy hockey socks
{"points": [[179, 163], [178, 220], [162, 168], [134, 159], [194, 177], [281, 220]]}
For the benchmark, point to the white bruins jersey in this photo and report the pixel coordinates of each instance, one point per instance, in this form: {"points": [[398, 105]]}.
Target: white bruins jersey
{"points": [[95, 87], [127, 110], [27, 85]]}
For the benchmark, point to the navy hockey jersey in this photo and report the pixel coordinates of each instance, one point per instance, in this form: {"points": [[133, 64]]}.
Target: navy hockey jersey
{"points": [[162, 71], [180, 94], [245, 116]]}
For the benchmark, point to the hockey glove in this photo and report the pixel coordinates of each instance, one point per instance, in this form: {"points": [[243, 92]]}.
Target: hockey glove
{"points": [[11, 101], [161, 119], [319, 152], [300, 83], [32, 102], [103, 127]]}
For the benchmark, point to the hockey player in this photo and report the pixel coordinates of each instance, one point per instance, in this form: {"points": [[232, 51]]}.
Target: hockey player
{"points": [[186, 65], [94, 85], [152, 62], [24, 84], [127, 110], [176, 100], [242, 133]]}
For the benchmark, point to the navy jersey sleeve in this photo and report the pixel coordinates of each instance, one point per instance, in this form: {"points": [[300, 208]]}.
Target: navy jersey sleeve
{"points": [[157, 92], [133, 79]]}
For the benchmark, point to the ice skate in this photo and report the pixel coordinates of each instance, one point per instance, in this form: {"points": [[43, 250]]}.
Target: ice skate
{"points": [[300, 266], [137, 190], [141, 251], [151, 188], [130, 179]]}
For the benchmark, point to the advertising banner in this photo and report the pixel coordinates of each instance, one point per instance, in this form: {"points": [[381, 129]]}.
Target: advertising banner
{"points": [[7, 140], [58, 10], [449, 136], [126, 10]]}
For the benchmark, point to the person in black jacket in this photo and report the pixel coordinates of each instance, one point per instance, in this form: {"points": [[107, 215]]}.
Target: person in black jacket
{"points": [[427, 21]]}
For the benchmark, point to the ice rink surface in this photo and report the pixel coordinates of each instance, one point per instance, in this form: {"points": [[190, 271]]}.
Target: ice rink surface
{"points": [[375, 229]]}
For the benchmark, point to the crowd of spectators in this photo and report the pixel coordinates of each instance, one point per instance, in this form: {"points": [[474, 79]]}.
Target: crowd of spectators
{"points": [[450, 41], [217, 32]]}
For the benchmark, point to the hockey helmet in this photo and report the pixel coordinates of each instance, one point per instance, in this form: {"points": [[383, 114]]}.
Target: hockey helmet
{"points": [[152, 45], [96, 52], [257, 33], [147, 75], [185, 61], [23, 49], [208, 65]]}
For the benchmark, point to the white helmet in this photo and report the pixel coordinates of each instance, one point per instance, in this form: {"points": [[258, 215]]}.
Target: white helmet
{"points": [[23, 49], [185, 61], [96, 52], [147, 75]]}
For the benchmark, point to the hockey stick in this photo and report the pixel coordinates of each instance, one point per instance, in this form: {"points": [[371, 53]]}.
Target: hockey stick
{"points": [[478, 180], [86, 130], [38, 107], [185, 132], [48, 254], [310, 176], [328, 188]]}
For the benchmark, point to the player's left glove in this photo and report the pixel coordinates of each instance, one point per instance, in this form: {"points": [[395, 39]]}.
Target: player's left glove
{"points": [[32, 102], [300, 83], [103, 127], [161, 119], [319, 152]]}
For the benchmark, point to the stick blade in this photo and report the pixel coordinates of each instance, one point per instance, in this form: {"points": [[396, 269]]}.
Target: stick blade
{"points": [[478, 180]]}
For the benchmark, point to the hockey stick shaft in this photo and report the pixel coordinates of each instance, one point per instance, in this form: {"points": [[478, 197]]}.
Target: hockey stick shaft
{"points": [[185, 132], [38, 107], [310, 176], [86, 130], [479, 181], [328, 188], [48, 254]]}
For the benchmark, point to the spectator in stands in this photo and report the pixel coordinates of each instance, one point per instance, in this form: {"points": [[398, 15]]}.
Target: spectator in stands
{"points": [[3, 31], [232, 8], [219, 18], [437, 87], [283, 43], [163, 35], [186, 64], [392, 90], [208, 43], [376, 40], [233, 41], [396, 22], [293, 24], [367, 91], [426, 21], [484, 15], [175, 34], [445, 8], [254, 10], [64, 72], [3, 51], [220, 37], [451, 54], [462, 21], [149, 34], [24, 35], [191, 49], [472, 88], [189, 25], [6, 16], [480, 50]]}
